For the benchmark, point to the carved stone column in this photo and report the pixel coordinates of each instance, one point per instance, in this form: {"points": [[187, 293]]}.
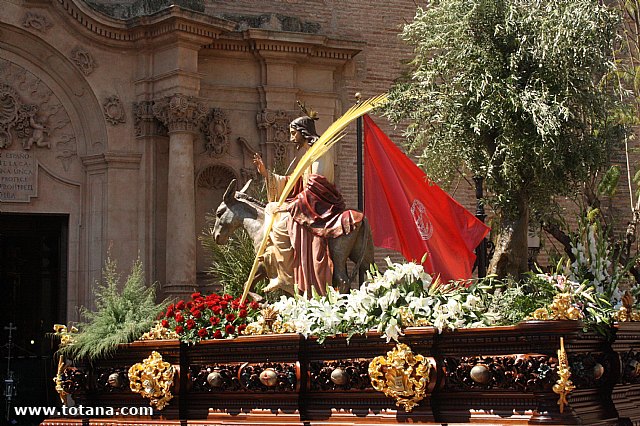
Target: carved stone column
{"points": [[182, 116]]}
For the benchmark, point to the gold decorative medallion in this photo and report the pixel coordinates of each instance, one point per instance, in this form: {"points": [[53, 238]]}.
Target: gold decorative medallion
{"points": [[153, 378], [563, 386], [401, 375]]}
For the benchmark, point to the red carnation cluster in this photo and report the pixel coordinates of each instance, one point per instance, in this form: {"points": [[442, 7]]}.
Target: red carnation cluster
{"points": [[209, 317]]}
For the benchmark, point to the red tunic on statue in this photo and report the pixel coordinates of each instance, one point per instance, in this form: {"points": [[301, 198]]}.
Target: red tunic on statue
{"points": [[318, 213]]}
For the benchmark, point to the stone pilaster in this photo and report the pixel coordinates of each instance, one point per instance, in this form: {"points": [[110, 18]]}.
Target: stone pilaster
{"points": [[182, 116]]}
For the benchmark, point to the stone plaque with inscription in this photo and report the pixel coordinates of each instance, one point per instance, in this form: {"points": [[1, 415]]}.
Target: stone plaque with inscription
{"points": [[18, 176]]}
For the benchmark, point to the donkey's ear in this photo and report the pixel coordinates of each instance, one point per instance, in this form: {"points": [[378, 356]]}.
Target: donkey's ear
{"points": [[229, 194], [246, 186]]}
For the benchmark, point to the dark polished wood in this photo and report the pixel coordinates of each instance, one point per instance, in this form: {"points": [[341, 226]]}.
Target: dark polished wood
{"points": [[493, 375]]}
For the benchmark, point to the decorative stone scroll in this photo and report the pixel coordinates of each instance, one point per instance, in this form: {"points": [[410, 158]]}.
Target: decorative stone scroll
{"points": [[180, 112], [36, 22], [113, 110], [83, 60], [216, 132]]}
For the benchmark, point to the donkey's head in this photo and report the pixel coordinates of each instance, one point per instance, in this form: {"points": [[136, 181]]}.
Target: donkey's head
{"points": [[229, 214]]}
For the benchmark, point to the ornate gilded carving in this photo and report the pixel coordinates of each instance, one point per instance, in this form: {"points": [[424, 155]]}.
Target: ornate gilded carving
{"points": [[179, 112], [401, 375], [83, 60], [158, 332], [627, 312], [67, 380], [216, 132], [153, 379], [563, 386], [113, 110], [36, 21], [560, 309]]}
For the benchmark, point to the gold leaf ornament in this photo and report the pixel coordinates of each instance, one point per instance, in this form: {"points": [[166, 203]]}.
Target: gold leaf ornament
{"points": [[401, 375], [153, 378], [563, 386]]}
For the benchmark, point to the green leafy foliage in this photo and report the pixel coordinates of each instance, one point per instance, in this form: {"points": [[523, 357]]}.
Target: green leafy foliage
{"points": [[517, 300], [230, 263], [121, 316], [513, 91]]}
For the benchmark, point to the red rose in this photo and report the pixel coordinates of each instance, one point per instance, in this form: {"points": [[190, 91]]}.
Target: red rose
{"points": [[254, 305], [196, 295], [242, 306], [179, 329], [165, 323], [180, 305], [217, 310], [190, 324], [202, 332], [179, 317], [170, 313], [217, 334], [230, 317], [227, 297], [223, 303], [214, 320], [229, 329], [235, 304], [241, 328], [189, 305], [242, 313], [196, 313]]}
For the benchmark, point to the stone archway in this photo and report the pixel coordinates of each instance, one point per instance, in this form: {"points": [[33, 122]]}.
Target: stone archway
{"points": [[59, 123]]}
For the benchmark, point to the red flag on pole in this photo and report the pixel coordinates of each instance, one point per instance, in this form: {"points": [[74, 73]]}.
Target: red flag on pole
{"points": [[410, 214]]}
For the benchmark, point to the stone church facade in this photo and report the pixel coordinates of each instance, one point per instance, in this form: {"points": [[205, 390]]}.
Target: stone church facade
{"points": [[122, 123]]}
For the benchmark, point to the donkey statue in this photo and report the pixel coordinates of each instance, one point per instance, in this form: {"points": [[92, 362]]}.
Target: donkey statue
{"points": [[238, 209]]}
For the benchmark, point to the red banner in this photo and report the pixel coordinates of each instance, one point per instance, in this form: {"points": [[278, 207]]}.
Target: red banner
{"points": [[410, 214]]}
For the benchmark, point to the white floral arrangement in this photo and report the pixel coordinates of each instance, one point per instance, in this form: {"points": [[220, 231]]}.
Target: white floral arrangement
{"points": [[403, 296]]}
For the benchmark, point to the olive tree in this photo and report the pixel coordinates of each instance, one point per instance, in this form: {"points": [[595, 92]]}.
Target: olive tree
{"points": [[513, 91]]}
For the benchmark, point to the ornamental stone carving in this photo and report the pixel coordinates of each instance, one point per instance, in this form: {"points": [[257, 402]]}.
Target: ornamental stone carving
{"points": [[22, 119], [36, 22], [216, 132], [83, 60], [31, 117], [144, 122], [215, 177], [113, 110], [275, 125], [180, 113]]}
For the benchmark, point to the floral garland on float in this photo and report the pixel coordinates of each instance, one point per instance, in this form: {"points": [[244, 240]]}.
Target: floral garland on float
{"points": [[388, 302]]}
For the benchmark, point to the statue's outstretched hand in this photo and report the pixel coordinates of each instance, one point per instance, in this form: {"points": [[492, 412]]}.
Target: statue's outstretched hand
{"points": [[257, 161]]}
